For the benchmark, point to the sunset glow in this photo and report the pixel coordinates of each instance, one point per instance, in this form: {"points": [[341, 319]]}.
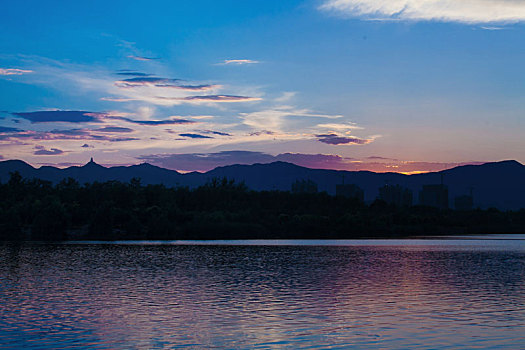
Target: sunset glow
{"points": [[384, 86]]}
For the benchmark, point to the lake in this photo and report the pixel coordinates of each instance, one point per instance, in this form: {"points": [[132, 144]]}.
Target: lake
{"points": [[405, 294]]}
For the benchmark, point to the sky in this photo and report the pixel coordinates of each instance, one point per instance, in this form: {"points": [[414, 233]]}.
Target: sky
{"points": [[383, 85]]}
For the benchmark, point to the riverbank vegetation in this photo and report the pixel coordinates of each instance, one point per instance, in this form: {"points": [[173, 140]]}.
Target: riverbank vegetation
{"points": [[221, 209]]}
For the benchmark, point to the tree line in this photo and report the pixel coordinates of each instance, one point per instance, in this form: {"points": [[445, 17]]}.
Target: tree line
{"points": [[221, 209]]}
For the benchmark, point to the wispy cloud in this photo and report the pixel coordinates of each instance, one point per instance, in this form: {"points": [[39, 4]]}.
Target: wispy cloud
{"points": [[176, 100], [64, 135], [212, 132], [145, 81], [279, 118], [211, 99], [195, 136], [221, 98], [285, 97], [334, 139], [143, 58], [122, 139], [261, 132], [130, 73], [118, 99], [168, 92], [148, 81], [291, 123], [239, 62], [339, 126], [60, 116], [14, 71], [471, 11], [202, 87], [269, 120], [379, 158], [42, 151], [492, 28], [171, 121], [135, 86], [114, 129]]}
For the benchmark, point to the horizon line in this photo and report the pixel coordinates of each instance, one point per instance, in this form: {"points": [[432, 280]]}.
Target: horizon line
{"points": [[183, 172]]}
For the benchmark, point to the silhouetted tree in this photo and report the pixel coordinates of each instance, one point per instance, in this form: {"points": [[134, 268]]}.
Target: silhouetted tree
{"points": [[220, 209]]}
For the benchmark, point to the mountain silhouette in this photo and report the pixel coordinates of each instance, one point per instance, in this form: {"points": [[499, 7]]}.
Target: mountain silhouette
{"points": [[498, 184]]}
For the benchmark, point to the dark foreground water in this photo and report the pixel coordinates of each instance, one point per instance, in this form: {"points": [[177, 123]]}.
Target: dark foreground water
{"points": [[433, 294]]}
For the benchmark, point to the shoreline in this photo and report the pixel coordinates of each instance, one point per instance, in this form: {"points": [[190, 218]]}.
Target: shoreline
{"points": [[285, 242]]}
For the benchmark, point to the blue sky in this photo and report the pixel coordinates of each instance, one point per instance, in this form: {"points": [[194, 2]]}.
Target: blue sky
{"points": [[399, 85]]}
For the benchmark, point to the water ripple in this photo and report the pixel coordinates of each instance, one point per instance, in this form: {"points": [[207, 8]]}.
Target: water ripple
{"points": [[264, 297]]}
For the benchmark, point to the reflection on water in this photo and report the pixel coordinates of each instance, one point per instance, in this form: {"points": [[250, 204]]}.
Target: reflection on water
{"points": [[165, 296]]}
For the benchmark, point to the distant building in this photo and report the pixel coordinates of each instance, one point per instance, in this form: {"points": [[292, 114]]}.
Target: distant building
{"points": [[304, 186], [434, 196], [397, 195], [350, 191], [465, 202]]}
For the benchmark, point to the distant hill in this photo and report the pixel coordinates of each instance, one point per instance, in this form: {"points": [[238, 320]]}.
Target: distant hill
{"points": [[91, 172], [498, 184]]}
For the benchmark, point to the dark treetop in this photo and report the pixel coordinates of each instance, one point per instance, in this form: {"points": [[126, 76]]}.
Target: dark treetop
{"points": [[220, 209]]}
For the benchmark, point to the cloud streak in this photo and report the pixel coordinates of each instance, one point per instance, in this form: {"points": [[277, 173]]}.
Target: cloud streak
{"points": [[64, 135], [212, 99], [334, 139], [279, 118], [195, 136], [143, 58], [130, 73], [172, 121], [148, 81], [491, 28], [14, 71], [144, 81], [239, 62], [463, 11], [60, 116], [114, 129], [212, 132], [41, 151], [134, 85]]}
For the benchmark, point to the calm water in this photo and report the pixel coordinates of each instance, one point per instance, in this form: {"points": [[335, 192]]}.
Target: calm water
{"points": [[436, 294]]}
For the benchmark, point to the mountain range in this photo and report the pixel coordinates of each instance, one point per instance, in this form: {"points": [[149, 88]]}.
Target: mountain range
{"points": [[498, 184]]}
